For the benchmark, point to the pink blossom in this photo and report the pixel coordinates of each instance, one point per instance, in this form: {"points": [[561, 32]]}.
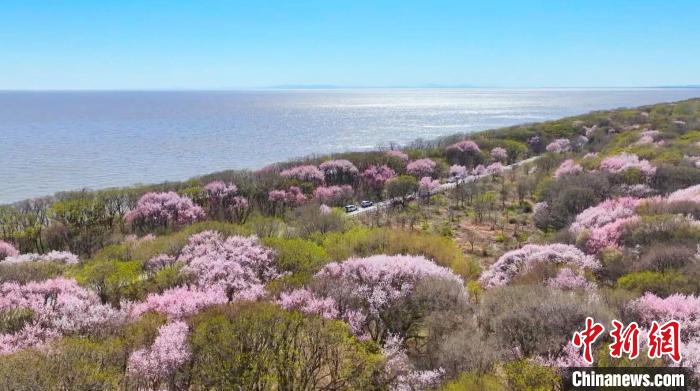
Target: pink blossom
{"points": [[64, 257], [467, 146], [427, 186], [499, 154], [689, 194], [517, 262], [236, 264], [607, 235], [398, 155], [421, 167], [59, 306], [339, 171], [163, 209], [220, 190], [295, 196], [178, 302], [683, 308], [333, 195], [403, 374], [168, 352], [307, 173], [568, 167], [7, 250], [458, 171], [292, 197], [479, 170], [375, 282], [377, 176], [568, 279], [494, 168], [625, 161], [307, 302], [604, 213], [559, 145]]}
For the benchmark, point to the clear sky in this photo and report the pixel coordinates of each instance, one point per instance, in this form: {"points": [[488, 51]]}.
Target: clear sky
{"points": [[103, 44]]}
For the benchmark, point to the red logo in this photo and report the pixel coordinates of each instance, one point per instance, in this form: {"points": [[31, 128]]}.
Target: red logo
{"points": [[625, 340], [586, 338], [664, 340]]}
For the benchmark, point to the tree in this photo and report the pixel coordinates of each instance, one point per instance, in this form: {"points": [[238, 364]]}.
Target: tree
{"points": [[260, 346], [401, 187]]}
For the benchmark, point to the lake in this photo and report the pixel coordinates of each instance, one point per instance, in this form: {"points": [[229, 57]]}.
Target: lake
{"points": [[54, 141]]}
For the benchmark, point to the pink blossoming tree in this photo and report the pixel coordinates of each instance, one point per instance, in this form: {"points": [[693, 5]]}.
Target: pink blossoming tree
{"points": [[499, 154], [457, 171], [421, 167], [375, 177], [466, 153], [559, 145], [568, 167], [396, 154], [339, 171], [154, 367], [57, 306], [306, 173], [518, 262], [625, 161], [333, 195], [161, 210]]}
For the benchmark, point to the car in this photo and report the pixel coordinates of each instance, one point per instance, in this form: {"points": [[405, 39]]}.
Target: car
{"points": [[350, 208], [366, 204]]}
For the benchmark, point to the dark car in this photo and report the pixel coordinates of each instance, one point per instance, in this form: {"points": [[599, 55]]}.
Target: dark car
{"points": [[350, 208], [366, 204]]}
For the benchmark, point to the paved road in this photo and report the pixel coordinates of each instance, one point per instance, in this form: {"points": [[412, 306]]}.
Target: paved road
{"points": [[443, 187]]}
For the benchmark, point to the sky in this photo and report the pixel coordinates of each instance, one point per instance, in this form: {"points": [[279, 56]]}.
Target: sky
{"points": [[172, 44]]}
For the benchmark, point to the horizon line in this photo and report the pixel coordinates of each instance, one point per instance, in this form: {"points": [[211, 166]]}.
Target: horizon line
{"points": [[341, 87]]}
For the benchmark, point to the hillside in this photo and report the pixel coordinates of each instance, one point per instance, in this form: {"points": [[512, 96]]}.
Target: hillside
{"points": [[260, 280]]}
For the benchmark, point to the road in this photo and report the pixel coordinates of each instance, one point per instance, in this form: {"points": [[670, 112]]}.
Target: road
{"points": [[443, 187]]}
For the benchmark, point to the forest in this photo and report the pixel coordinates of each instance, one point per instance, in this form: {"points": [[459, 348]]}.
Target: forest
{"points": [[259, 280]]}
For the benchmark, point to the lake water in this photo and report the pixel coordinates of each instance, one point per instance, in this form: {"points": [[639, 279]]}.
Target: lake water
{"points": [[54, 141]]}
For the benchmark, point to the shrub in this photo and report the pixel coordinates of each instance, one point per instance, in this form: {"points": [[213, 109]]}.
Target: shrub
{"points": [[297, 255], [29, 271], [474, 381], [401, 186], [527, 375], [661, 229], [671, 178], [660, 257], [568, 196], [660, 283], [466, 153], [534, 320], [259, 346]]}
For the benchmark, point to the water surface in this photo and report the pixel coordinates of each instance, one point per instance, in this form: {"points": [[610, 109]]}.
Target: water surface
{"points": [[54, 141]]}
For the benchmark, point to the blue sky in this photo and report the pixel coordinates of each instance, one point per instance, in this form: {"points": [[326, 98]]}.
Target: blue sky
{"points": [[245, 44]]}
